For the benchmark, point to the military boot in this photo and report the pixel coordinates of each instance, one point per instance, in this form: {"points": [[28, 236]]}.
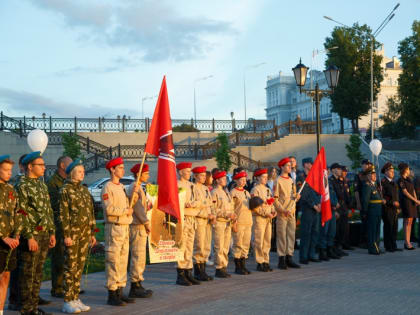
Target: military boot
{"points": [[238, 267], [220, 273], [323, 254], [197, 271], [137, 291], [181, 279], [282, 263], [190, 278], [125, 298], [261, 267], [114, 299], [204, 276], [226, 273], [267, 267], [243, 260], [331, 253], [290, 263]]}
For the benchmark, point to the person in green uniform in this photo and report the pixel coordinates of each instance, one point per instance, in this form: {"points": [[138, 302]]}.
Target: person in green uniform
{"points": [[372, 208], [38, 232], [78, 222], [55, 182]]}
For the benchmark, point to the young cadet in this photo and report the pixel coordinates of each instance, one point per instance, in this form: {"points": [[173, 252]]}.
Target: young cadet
{"points": [[285, 197], [205, 218], [242, 235], [139, 229], [225, 215], [118, 217], [262, 221], [10, 226], [184, 270]]}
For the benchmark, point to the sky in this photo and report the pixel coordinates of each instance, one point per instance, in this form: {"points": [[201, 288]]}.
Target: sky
{"points": [[91, 58]]}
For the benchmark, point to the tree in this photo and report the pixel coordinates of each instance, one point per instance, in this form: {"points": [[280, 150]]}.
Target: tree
{"points": [[184, 128], [222, 153], [353, 151], [393, 126], [351, 98], [71, 146]]}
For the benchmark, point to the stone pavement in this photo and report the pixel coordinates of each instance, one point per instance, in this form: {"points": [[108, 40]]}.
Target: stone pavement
{"points": [[357, 284]]}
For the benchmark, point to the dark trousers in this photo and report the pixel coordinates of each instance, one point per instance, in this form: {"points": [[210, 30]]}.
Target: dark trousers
{"points": [[374, 229], [327, 233], [342, 235], [310, 224], [390, 219], [57, 264], [364, 229]]}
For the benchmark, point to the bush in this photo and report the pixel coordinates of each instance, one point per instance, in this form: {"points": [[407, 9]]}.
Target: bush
{"points": [[184, 128], [223, 152], [353, 151]]}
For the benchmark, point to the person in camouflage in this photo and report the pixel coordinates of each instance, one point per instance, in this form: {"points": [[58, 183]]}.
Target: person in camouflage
{"points": [[57, 253], [38, 232], [10, 225], [78, 222]]}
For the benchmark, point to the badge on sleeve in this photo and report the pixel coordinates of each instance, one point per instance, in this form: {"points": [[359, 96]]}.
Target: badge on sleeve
{"points": [[105, 197], [11, 197]]}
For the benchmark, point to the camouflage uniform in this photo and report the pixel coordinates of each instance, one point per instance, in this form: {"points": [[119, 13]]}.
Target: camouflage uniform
{"points": [[78, 222], [10, 225], [57, 253], [34, 204]]}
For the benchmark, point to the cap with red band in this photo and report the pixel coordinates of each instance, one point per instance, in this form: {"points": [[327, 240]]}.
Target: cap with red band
{"points": [[283, 161], [219, 174], [240, 175], [260, 172], [182, 165], [136, 168], [114, 162], [199, 169]]}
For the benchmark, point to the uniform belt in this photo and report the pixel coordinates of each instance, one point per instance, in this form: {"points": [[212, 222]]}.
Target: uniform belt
{"points": [[117, 224], [375, 201]]}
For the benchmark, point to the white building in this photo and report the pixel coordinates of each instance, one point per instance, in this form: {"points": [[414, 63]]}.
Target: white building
{"points": [[284, 102]]}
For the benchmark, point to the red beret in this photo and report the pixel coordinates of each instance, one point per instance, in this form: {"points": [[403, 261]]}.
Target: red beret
{"points": [[219, 174], [182, 165], [199, 169], [136, 168], [114, 162], [240, 175], [260, 172], [283, 161]]}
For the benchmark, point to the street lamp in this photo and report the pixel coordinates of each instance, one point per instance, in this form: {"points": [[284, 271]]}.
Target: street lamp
{"points": [[373, 37], [331, 75], [195, 102], [245, 70]]}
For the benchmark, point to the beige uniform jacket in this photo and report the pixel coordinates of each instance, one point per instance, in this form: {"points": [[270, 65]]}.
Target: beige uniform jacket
{"points": [[241, 201], [223, 204], [115, 204], [139, 209], [285, 195], [264, 193], [203, 201], [189, 198]]}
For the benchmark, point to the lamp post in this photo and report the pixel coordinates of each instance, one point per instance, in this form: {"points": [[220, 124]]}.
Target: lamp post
{"points": [[331, 75], [373, 38], [195, 102], [245, 70]]}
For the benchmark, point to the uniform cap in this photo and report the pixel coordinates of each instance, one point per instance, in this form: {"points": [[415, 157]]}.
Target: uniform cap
{"points": [[370, 170], [72, 165], [136, 168], [366, 161], [283, 161], [240, 175], [344, 168], [31, 157], [219, 174], [114, 162], [335, 165], [182, 165], [387, 166], [4, 157], [260, 171], [307, 160], [199, 169]]}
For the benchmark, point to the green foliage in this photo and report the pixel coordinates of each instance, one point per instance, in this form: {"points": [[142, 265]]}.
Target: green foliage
{"points": [[222, 153], [353, 151], [351, 98], [184, 128], [71, 146]]}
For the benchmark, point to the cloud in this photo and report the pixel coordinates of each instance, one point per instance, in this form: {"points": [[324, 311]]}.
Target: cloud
{"points": [[153, 28], [26, 103]]}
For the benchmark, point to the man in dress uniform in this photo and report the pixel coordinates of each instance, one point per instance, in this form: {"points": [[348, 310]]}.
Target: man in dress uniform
{"points": [[391, 208], [38, 233], [117, 216], [57, 253], [139, 229], [310, 203], [185, 266], [359, 179], [10, 226], [204, 218]]}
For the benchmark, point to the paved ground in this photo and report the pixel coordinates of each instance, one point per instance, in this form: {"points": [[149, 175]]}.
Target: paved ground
{"points": [[358, 284]]}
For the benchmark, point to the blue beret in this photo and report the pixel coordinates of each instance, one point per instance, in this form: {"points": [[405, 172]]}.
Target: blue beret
{"points": [[31, 157], [307, 160], [72, 165], [4, 157]]}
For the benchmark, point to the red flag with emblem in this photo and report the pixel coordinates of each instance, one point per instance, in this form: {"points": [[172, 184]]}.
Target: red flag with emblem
{"points": [[318, 179], [160, 144]]}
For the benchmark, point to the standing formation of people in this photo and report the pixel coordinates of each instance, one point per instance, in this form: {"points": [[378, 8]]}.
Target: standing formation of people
{"points": [[219, 217]]}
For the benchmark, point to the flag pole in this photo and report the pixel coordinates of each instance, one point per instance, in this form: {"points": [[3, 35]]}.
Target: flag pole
{"points": [[301, 187], [138, 176]]}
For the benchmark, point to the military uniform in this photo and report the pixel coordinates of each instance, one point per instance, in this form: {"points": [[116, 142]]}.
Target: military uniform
{"points": [[390, 213], [359, 181], [77, 220], [328, 231], [343, 197], [57, 253], [38, 223]]}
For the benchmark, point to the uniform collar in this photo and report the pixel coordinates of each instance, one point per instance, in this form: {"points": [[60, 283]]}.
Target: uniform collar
{"points": [[240, 189]]}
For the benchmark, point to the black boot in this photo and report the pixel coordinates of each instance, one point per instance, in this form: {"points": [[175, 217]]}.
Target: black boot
{"points": [[340, 252], [290, 263], [204, 275], [220, 273], [323, 254], [190, 278], [267, 267], [331, 253], [114, 298], [197, 272], [261, 267], [137, 291], [226, 273], [238, 267], [125, 298], [181, 279], [282, 263], [244, 267]]}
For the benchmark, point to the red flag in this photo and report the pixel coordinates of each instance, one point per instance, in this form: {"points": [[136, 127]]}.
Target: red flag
{"points": [[318, 179], [160, 144]]}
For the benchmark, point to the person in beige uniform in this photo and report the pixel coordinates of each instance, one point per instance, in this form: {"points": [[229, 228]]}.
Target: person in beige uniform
{"points": [[262, 217], [225, 215], [243, 229], [204, 219], [184, 270], [285, 199], [139, 229], [118, 217]]}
